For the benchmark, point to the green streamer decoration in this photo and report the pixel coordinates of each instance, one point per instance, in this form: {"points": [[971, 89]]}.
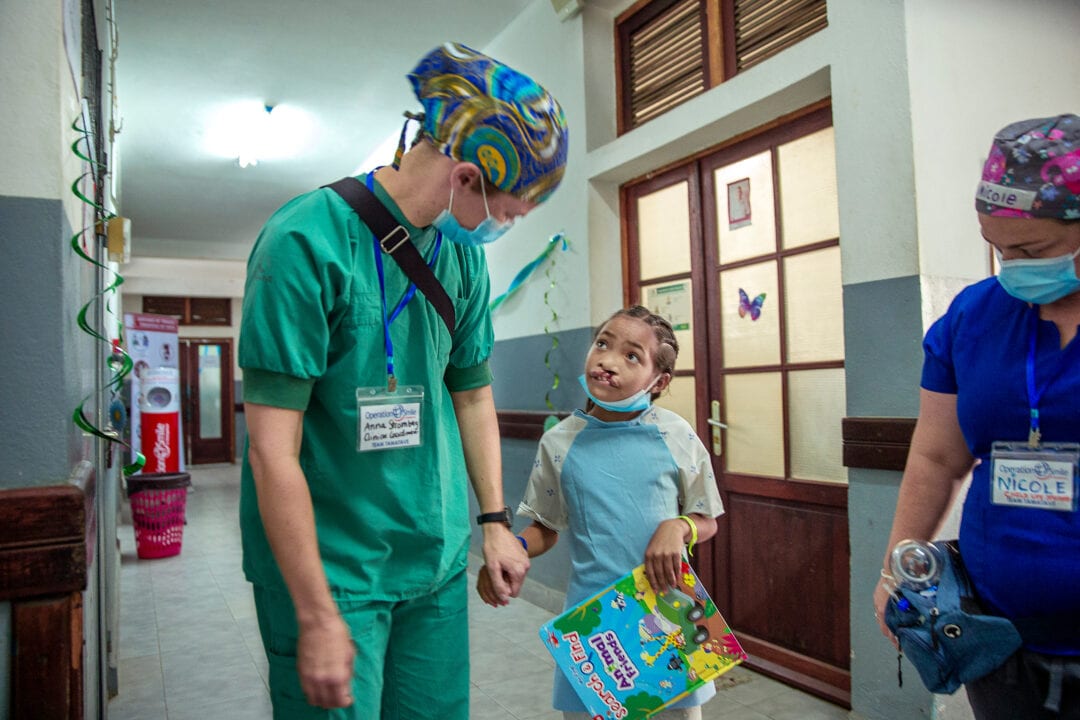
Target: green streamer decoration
{"points": [[551, 420], [119, 362]]}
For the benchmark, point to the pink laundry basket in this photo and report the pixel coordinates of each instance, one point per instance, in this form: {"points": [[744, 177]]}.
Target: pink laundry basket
{"points": [[158, 505]]}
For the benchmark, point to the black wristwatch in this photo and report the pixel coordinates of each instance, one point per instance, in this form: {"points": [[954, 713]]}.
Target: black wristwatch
{"points": [[502, 516]]}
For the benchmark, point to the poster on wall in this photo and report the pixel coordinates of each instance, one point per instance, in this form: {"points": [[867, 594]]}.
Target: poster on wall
{"points": [[738, 204], [671, 302], [156, 429]]}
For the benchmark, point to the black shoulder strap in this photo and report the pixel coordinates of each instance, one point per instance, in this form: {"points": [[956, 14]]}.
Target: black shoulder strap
{"points": [[394, 241]]}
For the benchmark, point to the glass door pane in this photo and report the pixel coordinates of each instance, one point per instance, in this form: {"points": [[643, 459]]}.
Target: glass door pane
{"points": [[209, 391], [664, 231], [680, 397], [814, 306], [809, 212], [755, 420], [745, 209], [817, 400], [749, 316]]}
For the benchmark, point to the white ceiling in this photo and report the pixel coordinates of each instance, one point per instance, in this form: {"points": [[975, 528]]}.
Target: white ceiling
{"points": [[343, 61]]}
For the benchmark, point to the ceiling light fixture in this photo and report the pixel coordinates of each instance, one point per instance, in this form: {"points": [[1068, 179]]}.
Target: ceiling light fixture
{"points": [[251, 131], [255, 139]]}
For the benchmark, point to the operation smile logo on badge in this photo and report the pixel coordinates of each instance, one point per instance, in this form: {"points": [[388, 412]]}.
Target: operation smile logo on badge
{"points": [[388, 420], [1044, 478]]}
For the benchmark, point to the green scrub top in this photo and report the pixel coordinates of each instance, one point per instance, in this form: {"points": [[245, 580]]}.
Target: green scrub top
{"points": [[391, 524]]}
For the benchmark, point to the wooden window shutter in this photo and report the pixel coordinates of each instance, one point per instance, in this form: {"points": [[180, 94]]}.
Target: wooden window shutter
{"points": [[165, 305], [667, 61], [210, 311], [190, 310], [765, 27]]}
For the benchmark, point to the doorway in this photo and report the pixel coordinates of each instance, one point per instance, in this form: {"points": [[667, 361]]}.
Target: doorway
{"points": [[740, 249], [206, 377]]}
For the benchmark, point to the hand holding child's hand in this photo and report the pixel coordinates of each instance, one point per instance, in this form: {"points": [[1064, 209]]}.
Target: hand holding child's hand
{"points": [[663, 556], [485, 589], [506, 560]]}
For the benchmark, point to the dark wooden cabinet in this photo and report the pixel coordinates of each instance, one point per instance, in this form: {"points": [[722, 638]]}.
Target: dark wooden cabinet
{"points": [[43, 573]]}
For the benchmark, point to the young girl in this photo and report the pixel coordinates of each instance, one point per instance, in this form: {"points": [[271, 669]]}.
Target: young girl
{"points": [[627, 482]]}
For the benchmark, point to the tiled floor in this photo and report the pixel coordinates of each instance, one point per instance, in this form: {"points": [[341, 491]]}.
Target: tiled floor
{"points": [[190, 647]]}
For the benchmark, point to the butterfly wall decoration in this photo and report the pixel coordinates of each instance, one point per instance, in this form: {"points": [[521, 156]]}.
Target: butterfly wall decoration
{"points": [[748, 306]]}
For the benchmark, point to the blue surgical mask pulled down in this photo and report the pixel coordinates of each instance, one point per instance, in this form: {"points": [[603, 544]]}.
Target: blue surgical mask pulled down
{"points": [[1039, 280], [489, 230], [641, 400]]}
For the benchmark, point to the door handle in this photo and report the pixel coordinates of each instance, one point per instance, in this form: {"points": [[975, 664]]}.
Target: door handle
{"points": [[717, 426]]}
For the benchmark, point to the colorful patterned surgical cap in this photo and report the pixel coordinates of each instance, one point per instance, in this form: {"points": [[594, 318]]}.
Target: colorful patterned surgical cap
{"points": [[1033, 170], [478, 110]]}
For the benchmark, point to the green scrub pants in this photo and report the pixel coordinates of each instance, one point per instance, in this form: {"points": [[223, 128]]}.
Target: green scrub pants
{"points": [[412, 656]]}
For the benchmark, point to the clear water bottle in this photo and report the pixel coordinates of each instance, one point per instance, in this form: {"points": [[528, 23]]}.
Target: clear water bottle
{"points": [[916, 565]]}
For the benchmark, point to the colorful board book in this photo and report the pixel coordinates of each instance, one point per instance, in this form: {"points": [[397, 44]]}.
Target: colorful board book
{"points": [[630, 652]]}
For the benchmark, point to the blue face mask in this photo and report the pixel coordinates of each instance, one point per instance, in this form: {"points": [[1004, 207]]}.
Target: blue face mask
{"points": [[489, 230], [1039, 280], [641, 400]]}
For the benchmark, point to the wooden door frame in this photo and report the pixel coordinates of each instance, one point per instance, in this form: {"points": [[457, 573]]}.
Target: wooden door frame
{"points": [[189, 393], [821, 678], [810, 497]]}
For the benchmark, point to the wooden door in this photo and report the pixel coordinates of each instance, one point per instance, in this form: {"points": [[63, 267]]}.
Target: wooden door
{"points": [[207, 400], [757, 224]]}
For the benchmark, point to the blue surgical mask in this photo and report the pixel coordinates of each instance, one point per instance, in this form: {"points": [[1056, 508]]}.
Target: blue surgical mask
{"points": [[1039, 280], [489, 230], [641, 400]]}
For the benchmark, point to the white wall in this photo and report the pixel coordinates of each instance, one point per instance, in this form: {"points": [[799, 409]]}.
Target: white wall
{"points": [[33, 77], [38, 78], [550, 51], [873, 140], [194, 278], [976, 66]]}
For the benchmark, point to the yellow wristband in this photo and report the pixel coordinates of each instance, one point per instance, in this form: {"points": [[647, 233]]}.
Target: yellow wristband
{"points": [[693, 533]]}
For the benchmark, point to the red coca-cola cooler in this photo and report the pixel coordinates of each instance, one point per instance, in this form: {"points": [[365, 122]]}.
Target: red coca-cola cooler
{"points": [[159, 409]]}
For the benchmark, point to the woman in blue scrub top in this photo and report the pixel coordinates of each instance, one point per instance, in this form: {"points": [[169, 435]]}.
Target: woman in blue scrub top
{"points": [[1002, 368]]}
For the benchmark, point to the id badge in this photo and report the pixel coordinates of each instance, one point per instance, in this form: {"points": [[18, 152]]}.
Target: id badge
{"points": [[388, 420], [1043, 478]]}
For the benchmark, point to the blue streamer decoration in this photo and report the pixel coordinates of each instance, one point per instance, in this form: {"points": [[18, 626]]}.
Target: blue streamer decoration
{"points": [[525, 272]]}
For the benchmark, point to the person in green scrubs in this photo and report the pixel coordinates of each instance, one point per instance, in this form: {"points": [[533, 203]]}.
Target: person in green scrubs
{"points": [[366, 415]]}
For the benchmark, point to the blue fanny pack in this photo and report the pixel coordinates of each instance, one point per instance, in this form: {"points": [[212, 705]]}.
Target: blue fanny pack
{"points": [[943, 632]]}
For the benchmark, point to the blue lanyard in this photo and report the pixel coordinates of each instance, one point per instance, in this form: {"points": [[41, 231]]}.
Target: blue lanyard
{"points": [[1034, 393], [388, 344]]}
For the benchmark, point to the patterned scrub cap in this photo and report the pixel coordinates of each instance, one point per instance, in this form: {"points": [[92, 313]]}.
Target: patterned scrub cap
{"points": [[1033, 170], [478, 110]]}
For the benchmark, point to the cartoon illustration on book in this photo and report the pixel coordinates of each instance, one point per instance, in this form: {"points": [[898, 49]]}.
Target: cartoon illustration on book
{"points": [[630, 652]]}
